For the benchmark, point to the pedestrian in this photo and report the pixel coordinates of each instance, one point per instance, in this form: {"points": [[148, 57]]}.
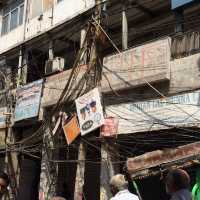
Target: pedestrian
{"points": [[58, 198], [178, 184], [4, 182], [119, 189]]}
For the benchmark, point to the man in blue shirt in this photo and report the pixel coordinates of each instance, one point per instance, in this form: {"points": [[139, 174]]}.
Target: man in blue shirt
{"points": [[177, 185]]}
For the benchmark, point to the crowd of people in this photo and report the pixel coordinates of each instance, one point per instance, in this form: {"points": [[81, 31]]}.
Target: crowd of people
{"points": [[177, 184]]}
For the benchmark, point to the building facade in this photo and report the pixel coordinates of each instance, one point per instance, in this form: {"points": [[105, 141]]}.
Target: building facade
{"points": [[144, 58]]}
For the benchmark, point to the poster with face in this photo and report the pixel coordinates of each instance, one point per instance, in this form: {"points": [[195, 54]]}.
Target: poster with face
{"points": [[89, 111]]}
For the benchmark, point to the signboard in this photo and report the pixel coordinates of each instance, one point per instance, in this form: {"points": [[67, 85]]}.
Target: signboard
{"points": [[131, 68], [110, 127], [180, 110], [179, 3], [28, 101], [90, 112], [71, 130]]}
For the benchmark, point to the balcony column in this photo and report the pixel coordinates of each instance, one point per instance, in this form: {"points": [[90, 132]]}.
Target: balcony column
{"points": [[179, 19], [22, 68], [124, 26]]}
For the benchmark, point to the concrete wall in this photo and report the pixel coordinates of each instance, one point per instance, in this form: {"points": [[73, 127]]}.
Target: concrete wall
{"points": [[11, 39], [184, 76]]}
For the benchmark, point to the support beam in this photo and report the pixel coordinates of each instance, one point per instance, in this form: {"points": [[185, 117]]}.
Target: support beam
{"points": [[124, 28], [179, 19], [19, 68], [143, 9], [22, 67]]}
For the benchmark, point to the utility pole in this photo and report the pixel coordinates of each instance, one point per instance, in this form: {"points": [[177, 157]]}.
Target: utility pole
{"points": [[11, 159], [108, 169], [80, 171]]}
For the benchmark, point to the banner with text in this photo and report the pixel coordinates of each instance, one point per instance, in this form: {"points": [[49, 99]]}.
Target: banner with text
{"points": [[28, 101], [176, 111]]}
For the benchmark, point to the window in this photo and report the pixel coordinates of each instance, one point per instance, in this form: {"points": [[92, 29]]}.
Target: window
{"points": [[36, 8], [21, 14], [12, 16], [47, 4], [5, 24], [14, 19]]}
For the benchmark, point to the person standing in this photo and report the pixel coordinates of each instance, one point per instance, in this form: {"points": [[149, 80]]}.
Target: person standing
{"points": [[4, 182], [119, 189], [177, 185]]}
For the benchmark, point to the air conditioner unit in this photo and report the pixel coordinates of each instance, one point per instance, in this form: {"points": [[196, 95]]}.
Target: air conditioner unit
{"points": [[55, 65]]}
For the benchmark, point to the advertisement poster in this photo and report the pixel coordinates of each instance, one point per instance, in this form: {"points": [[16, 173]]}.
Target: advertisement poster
{"points": [[110, 127], [176, 111], [71, 130], [28, 101], [90, 112]]}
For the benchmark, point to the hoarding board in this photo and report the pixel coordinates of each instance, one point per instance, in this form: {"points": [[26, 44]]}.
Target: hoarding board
{"points": [[28, 101], [89, 111], [176, 111]]}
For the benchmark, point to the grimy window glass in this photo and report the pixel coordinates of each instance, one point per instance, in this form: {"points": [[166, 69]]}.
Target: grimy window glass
{"points": [[14, 19], [35, 8], [12, 16], [47, 4], [5, 25], [21, 14]]}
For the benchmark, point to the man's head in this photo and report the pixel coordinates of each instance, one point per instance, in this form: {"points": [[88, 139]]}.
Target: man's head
{"points": [[177, 179], [118, 183], [4, 182]]}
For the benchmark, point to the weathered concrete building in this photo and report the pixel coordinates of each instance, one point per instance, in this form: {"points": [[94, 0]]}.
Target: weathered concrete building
{"points": [[149, 58]]}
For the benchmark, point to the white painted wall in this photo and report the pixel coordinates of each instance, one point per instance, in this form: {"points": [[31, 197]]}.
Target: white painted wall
{"points": [[11, 39], [63, 11], [66, 9], [36, 26]]}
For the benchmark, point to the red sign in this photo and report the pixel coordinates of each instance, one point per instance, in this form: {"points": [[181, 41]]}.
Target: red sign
{"points": [[110, 127]]}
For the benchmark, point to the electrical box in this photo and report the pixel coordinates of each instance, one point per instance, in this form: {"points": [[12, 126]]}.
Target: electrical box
{"points": [[55, 65]]}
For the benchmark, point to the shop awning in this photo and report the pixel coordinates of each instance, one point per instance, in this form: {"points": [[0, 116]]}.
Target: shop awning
{"points": [[162, 159]]}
